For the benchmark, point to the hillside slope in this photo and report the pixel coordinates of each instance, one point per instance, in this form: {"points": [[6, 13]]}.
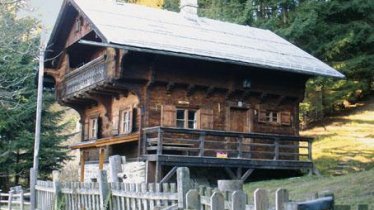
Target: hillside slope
{"points": [[345, 143], [351, 189], [344, 146]]}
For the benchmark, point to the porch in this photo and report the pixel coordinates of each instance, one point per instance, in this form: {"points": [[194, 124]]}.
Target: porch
{"points": [[245, 152]]}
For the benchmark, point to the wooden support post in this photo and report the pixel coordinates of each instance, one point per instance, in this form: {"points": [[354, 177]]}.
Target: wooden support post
{"points": [[56, 189], [310, 157], [281, 197], [158, 173], [82, 162], [115, 167], [239, 200], [240, 146], [239, 173], [159, 142], [230, 173], [169, 175], [193, 200], [202, 144], [101, 158], [184, 185], [247, 174], [261, 199], [276, 149], [217, 201], [103, 189]]}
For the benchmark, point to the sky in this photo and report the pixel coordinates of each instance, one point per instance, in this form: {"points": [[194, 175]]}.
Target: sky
{"points": [[45, 10]]}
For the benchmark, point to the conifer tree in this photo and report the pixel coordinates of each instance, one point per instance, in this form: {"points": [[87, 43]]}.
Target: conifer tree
{"points": [[18, 61]]}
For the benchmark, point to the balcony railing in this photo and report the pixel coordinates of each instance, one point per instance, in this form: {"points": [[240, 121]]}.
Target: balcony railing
{"points": [[225, 144], [85, 77]]}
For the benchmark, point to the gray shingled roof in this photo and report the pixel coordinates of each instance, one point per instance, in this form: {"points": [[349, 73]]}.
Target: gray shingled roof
{"points": [[160, 30]]}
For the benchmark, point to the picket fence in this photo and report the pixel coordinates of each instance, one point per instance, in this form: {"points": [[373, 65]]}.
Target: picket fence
{"points": [[15, 197], [54, 195]]}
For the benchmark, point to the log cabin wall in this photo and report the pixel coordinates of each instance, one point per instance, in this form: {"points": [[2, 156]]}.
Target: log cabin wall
{"points": [[195, 85]]}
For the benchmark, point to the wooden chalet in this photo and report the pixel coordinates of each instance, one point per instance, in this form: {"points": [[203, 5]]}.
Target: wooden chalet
{"points": [[174, 89]]}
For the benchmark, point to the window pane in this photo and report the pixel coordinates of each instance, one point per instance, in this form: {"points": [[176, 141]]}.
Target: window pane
{"points": [[191, 124], [180, 114], [191, 115], [180, 123]]}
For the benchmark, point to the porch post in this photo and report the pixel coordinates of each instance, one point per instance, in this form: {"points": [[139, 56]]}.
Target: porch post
{"points": [[83, 163], [101, 158]]}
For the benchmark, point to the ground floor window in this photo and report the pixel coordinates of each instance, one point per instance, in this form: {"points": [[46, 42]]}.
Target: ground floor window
{"points": [[93, 128], [125, 121]]}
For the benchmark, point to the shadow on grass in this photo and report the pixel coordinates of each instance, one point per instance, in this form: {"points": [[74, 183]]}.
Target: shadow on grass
{"points": [[333, 166]]}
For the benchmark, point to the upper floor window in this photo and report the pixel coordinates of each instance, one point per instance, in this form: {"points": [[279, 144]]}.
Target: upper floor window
{"points": [[186, 118], [274, 117], [125, 121], [93, 128]]}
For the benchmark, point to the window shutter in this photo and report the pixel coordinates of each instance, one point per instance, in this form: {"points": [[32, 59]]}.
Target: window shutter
{"points": [[115, 129], [130, 120], [286, 118], [204, 119], [262, 116], [85, 130], [99, 130], [168, 116]]}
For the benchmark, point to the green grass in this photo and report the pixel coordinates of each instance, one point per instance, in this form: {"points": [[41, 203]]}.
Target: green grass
{"points": [[345, 143], [343, 151], [351, 189]]}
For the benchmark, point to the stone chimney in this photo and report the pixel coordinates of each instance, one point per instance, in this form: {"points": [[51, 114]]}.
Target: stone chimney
{"points": [[188, 8]]}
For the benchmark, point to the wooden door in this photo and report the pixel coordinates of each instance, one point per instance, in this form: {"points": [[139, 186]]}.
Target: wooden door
{"points": [[239, 120]]}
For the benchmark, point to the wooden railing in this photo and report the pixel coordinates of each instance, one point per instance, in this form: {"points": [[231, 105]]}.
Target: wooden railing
{"points": [[86, 76], [225, 144]]}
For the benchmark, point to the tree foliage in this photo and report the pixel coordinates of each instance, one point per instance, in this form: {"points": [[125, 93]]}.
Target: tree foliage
{"points": [[18, 61], [338, 32]]}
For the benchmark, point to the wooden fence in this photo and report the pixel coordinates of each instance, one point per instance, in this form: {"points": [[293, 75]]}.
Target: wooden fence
{"points": [[15, 198], [167, 196]]}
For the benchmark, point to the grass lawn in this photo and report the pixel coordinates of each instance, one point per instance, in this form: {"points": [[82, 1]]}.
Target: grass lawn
{"points": [[345, 143], [343, 152], [351, 189]]}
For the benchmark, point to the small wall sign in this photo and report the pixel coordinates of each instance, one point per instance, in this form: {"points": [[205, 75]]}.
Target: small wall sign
{"points": [[221, 154]]}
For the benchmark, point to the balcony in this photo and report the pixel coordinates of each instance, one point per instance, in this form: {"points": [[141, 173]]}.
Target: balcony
{"points": [[213, 148], [87, 77]]}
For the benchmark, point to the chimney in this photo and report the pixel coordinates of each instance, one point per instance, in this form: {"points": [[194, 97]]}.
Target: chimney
{"points": [[188, 8]]}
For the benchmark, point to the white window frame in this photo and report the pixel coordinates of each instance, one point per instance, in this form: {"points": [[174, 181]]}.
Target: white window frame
{"points": [[125, 122], [93, 128], [273, 117], [186, 121]]}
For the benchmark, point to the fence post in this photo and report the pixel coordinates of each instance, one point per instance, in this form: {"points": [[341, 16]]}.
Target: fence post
{"points": [[32, 189], [115, 167], [230, 185], [184, 185], [261, 199], [217, 201], [56, 188], [239, 200], [103, 189], [193, 200], [281, 197], [21, 200], [10, 198]]}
